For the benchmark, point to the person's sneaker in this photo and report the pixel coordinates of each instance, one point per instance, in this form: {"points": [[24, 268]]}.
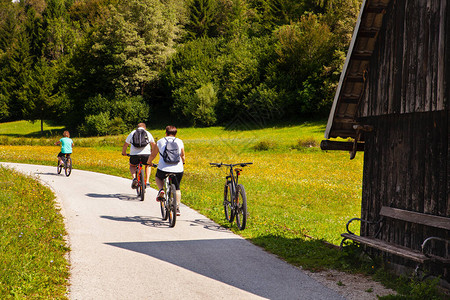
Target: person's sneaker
{"points": [[160, 195], [178, 211], [134, 183]]}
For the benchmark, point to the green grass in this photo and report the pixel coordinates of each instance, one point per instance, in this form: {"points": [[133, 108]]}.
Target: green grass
{"points": [[28, 129], [32, 245]]}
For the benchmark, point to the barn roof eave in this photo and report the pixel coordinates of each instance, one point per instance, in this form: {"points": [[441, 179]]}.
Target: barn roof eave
{"points": [[343, 112]]}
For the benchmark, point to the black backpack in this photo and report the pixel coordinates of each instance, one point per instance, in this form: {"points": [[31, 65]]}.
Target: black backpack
{"points": [[140, 138], [171, 153]]}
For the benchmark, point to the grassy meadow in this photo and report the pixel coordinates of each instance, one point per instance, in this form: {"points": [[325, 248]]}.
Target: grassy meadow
{"points": [[28, 129], [297, 194], [32, 244]]}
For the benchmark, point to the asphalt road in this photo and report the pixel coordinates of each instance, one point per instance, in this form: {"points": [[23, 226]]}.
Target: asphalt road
{"points": [[121, 248]]}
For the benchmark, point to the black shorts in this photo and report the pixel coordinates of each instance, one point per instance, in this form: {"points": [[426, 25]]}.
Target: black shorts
{"points": [[60, 154], [162, 175], [135, 159]]}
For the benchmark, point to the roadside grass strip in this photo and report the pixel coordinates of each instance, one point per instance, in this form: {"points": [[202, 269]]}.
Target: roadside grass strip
{"points": [[32, 240]]}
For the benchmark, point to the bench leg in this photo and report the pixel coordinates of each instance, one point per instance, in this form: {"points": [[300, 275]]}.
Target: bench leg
{"points": [[341, 246]]}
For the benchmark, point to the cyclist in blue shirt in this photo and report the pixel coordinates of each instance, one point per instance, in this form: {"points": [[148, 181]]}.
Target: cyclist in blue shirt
{"points": [[66, 146]]}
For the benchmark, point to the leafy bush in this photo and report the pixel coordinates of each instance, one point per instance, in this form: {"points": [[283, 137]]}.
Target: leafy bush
{"points": [[191, 77], [204, 102], [306, 143], [132, 110], [127, 112], [95, 105], [264, 145], [96, 124]]}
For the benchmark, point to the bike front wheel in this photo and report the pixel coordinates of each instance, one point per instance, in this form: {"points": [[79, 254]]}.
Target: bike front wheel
{"points": [[59, 168], [172, 205], [241, 207], [68, 166], [227, 207]]}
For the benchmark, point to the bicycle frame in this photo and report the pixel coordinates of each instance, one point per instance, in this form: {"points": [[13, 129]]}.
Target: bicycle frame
{"points": [[139, 170], [233, 179]]}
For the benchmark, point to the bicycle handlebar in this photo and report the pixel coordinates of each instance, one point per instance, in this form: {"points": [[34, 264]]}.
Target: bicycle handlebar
{"points": [[229, 165]]}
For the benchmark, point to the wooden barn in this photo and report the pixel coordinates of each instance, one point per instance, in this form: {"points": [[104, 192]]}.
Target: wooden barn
{"points": [[393, 102]]}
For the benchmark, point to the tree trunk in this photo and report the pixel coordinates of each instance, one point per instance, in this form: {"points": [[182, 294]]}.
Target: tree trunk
{"points": [[42, 127]]}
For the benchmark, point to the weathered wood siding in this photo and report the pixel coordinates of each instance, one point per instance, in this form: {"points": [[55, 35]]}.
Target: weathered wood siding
{"points": [[409, 69], [407, 166], [406, 100]]}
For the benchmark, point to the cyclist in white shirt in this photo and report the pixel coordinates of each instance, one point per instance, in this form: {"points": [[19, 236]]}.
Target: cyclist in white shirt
{"points": [[139, 154], [164, 168]]}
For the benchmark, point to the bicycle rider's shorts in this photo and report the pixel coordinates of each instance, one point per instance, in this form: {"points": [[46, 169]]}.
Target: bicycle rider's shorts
{"points": [[135, 159], [60, 154], [161, 175]]}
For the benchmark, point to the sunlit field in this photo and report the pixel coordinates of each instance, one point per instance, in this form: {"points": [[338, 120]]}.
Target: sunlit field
{"points": [[26, 128], [295, 191], [32, 240]]}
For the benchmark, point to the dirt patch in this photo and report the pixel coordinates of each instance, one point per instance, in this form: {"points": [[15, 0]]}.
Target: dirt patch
{"points": [[351, 286]]}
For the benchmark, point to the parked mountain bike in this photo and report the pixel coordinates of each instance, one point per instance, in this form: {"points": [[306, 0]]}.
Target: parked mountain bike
{"points": [[67, 165], [140, 184], [234, 197], [168, 204]]}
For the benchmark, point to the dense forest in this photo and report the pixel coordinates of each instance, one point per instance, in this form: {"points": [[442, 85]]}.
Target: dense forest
{"points": [[101, 66]]}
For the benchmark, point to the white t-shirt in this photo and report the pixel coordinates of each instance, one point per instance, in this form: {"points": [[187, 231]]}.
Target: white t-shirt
{"points": [[162, 165], [142, 150]]}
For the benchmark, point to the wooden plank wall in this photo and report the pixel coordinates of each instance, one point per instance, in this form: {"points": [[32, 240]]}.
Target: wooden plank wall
{"points": [[407, 166], [406, 100], [409, 67]]}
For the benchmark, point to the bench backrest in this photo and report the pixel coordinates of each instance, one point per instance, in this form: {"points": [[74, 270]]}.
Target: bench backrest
{"points": [[415, 217]]}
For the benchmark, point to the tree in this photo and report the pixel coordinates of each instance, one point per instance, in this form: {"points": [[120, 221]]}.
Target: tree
{"points": [[202, 15], [192, 78], [14, 75], [38, 96], [304, 50], [128, 50]]}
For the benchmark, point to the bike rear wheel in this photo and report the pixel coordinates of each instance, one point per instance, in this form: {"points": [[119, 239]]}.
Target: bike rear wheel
{"points": [[142, 185], [68, 166], [227, 207], [163, 205], [241, 207], [172, 205]]}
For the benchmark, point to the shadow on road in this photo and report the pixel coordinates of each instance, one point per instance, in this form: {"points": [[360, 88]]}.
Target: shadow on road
{"points": [[235, 262], [51, 174], [207, 224], [158, 222], [147, 221], [123, 197]]}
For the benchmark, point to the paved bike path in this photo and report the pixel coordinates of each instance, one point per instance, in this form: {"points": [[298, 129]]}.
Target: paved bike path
{"points": [[121, 249]]}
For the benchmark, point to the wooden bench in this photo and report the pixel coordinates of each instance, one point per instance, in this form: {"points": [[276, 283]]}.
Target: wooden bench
{"points": [[408, 216]]}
